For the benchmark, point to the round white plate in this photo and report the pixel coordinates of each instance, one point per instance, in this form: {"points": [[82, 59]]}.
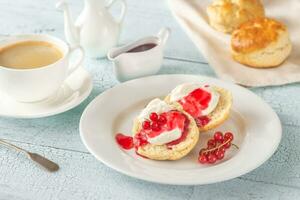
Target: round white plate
{"points": [[256, 127], [75, 89]]}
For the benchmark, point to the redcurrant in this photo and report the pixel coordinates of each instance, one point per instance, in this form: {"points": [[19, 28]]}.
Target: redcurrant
{"points": [[202, 159], [218, 136], [212, 158], [146, 125], [227, 145], [155, 126], [211, 143], [161, 120], [228, 136], [202, 151], [222, 149], [220, 154], [153, 116]]}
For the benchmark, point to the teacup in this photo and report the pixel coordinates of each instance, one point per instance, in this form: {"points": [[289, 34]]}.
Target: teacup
{"points": [[30, 84]]}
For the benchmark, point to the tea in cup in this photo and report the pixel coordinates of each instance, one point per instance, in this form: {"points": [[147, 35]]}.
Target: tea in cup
{"points": [[34, 67]]}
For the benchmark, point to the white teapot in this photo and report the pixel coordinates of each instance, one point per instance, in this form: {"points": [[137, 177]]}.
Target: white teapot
{"points": [[95, 29]]}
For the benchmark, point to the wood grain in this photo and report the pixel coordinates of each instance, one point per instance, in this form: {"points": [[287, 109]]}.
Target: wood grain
{"points": [[83, 177]]}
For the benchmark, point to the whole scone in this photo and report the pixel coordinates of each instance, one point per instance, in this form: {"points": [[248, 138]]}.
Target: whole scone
{"points": [[261, 43], [167, 151], [227, 15]]}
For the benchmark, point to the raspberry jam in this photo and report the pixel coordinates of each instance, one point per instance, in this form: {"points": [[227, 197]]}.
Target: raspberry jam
{"points": [[184, 133], [202, 121], [126, 142], [194, 103]]}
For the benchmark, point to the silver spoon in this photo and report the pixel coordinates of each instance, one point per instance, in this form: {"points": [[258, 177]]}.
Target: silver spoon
{"points": [[42, 161]]}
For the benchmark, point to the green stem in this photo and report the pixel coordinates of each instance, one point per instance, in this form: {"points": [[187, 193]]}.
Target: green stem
{"points": [[236, 146]]}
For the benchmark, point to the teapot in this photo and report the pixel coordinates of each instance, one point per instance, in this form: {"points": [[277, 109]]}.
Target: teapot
{"points": [[95, 29], [143, 57]]}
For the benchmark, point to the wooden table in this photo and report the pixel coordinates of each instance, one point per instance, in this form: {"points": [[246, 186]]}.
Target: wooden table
{"points": [[83, 177]]}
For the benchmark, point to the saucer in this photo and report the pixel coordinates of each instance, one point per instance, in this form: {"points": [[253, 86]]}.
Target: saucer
{"points": [[75, 90]]}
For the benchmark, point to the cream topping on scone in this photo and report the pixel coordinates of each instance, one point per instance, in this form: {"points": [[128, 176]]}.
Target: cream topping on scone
{"points": [[166, 137], [185, 89], [156, 105], [165, 133]]}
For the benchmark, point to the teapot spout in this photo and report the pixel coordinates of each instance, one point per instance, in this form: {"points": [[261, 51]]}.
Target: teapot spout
{"points": [[71, 31]]}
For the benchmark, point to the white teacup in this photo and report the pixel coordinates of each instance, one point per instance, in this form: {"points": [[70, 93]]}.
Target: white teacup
{"points": [[36, 84]]}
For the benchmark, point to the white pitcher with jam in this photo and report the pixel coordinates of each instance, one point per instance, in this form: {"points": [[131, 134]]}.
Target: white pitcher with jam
{"points": [[96, 30], [143, 57]]}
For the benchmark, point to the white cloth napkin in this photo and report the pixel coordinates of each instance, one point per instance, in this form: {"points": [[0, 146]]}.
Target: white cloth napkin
{"points": [[215, 46]]}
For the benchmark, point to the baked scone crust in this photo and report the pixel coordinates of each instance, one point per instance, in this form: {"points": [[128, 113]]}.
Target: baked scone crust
{"points": [[219, 115], [162, 152], [227, 15], [261, 42]]}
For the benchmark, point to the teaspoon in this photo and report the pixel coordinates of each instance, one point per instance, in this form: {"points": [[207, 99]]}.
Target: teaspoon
{"points": [[42, 161]]}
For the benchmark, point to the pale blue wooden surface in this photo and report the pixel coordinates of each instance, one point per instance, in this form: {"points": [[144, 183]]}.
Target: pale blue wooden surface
{"points": [[81, 175]]}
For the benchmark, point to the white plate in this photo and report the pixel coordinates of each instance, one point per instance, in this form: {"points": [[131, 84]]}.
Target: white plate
{"points": [[256, 127], [74, 90]]}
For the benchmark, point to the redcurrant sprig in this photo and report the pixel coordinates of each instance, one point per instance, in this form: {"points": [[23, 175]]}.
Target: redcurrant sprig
{"points": [[216, 148]]}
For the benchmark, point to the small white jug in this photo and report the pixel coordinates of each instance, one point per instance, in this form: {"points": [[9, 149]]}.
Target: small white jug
{"points": [[95, 29], [140, 58]]}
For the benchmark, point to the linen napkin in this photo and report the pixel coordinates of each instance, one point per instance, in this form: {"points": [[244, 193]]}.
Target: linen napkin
{"points": [[215, 46]]}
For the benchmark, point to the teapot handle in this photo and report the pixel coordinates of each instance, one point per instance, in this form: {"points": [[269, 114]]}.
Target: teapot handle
{"points": [[123, 9], [163, 35]]}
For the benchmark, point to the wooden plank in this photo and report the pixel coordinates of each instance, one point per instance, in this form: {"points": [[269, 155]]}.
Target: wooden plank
{"points": [[83, 177], [283, 168]]}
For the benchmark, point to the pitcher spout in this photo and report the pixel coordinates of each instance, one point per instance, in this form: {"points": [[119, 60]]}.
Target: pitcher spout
{"points": [[114, 53], [163, 35]]}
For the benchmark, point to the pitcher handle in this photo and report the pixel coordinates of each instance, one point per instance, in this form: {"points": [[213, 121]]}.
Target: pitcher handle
{"points": [[78, 63], [123, 9]]}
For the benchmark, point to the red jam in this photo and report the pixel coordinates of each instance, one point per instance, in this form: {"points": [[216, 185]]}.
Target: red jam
{"points": [[194, 103], [126, 142], [171, 120], [202, 121], [140, 139], [184, 133]]}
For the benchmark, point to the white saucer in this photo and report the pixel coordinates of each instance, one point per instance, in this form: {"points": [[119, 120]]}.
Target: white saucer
{"points": [[256, 127], [75, 89]]}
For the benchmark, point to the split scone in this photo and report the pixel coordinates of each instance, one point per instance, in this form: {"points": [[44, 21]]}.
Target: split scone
{"points": [[162, 132], [261, 43], [209, 105], [227, 15]]}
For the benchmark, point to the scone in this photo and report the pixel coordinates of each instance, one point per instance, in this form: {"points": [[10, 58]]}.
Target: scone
{"points": [[261, 43], [161, 132], [227, 15], [209, 105]]}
